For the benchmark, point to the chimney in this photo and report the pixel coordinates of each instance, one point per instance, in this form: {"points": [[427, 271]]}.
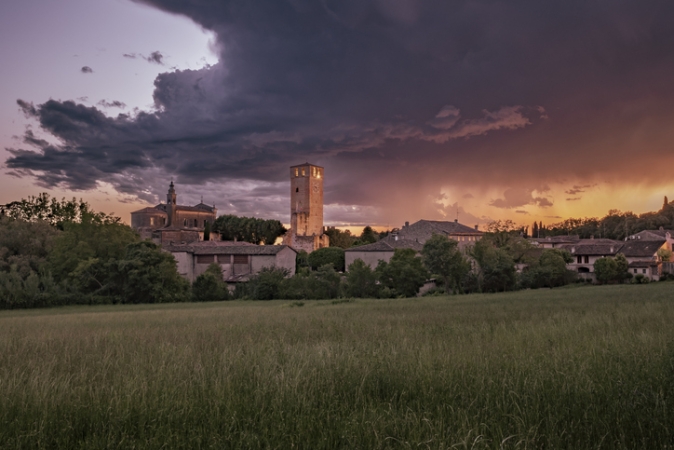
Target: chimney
{"points": [[456, 220], [476, 227], [407, 224]]}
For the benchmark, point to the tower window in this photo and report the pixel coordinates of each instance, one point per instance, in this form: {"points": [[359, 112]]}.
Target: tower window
{"points": [[297, 172], [304, 173]]}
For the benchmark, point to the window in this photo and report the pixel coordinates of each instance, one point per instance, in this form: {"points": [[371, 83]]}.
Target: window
{"points": [[297, 172], [643, 270], [185, 222], [151, 220], [205, 259], [579, 259], [635, 270], [297, 189], [224, 259], [240, 259], [587, 260], [304, 174]]}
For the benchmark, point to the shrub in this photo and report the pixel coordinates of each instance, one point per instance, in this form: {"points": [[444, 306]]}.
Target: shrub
{"points": [[361, 281], [327, 255], [404, 274], [209, 286]]}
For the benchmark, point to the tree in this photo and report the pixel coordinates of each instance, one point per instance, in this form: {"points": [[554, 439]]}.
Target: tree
{"points": [[327, 255], [621, 268], [404, 273], [25, 246], [665, 255], [605, 270], [53, 211], [207, 231], [442, 258], [209, 286], [496, 267], [339, 238], [265, 285], [361, 281], [87, 239], [534, 230], [549, 270], [368, 236], [147, 274], [248, 229]]}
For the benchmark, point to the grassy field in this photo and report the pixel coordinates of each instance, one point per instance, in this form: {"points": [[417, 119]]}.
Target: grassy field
{"points": [[570, 368]]}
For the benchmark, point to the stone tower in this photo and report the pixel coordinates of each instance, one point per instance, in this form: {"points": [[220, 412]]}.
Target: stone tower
{"points": [[171, 204], [306, 208]]}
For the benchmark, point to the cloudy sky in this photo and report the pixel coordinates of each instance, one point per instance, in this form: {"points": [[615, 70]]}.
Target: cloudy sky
{"points": [[492, 109]]}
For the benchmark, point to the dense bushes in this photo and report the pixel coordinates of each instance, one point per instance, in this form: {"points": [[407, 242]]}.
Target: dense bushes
{"points": [[327, 255], [58, 253]]}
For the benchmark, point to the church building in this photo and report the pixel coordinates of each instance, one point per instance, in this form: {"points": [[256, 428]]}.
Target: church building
{"points": [[306, 209], [170, 222]]}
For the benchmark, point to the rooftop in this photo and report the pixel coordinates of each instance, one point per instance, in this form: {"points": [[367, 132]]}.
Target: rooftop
{"points": [[225, 248]]}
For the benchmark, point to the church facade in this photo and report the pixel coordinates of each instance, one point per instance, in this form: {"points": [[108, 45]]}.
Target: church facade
{"points": [[306, 209], [170, 222]]}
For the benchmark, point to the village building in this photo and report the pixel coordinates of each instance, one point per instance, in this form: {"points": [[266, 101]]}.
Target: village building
{"points": [[169, 222], [306, 209], [412, 236], [655, 235], [642, 255], [237, 260]]}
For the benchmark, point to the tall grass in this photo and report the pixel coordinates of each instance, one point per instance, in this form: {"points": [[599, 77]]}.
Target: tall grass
{"points": [[573, 368]]}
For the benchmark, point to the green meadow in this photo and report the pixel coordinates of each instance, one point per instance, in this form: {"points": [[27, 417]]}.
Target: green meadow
{"points": [[568, 368]]}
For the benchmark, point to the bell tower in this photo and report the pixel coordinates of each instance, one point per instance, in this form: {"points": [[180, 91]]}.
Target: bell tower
{"points": [[306, 200], [306, 208]]}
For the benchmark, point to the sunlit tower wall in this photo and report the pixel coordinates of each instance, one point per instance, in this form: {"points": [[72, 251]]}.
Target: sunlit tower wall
{"points": [[306, 200], [306, 209]]}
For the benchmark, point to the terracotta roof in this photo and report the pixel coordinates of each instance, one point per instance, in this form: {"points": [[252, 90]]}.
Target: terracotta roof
{"points": [[642, 264], [652, 235], [607, 247], [226, 248], [193, 208], [593, 247], [161, 208], [388, 244], [639, 248], [422, 230], [449, 227], [556, 239], [150, 209]]}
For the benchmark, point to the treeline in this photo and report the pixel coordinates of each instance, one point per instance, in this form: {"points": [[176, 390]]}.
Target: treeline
{"points": [[248, 229], [615, 225], [344, 239], [59, 252]]}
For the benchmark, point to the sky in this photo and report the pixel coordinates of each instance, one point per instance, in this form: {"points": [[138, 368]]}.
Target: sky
{"points": [[418, 109]]}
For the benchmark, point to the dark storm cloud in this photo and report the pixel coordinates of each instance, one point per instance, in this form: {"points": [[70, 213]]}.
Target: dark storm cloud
{"points": [[155, 57], [395, 98], [86, 69], [112, 104], [514, 197]]}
